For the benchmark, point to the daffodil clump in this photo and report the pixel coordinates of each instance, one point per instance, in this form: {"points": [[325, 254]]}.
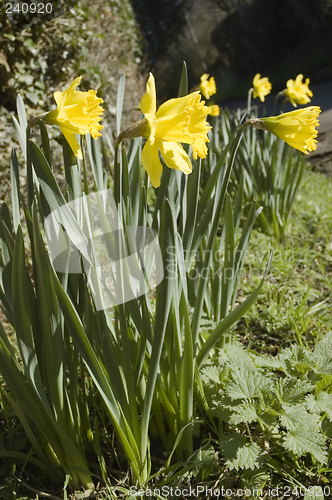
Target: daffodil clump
{"points": [[76, 113], [297, 91], [177, 120], [207, 86], [296, 128], [261, 87]]}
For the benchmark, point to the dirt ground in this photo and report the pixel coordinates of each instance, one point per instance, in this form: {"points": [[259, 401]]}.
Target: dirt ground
{"points": [[321, 159]]}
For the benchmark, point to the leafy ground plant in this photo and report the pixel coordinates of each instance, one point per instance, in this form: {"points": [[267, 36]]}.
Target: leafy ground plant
{"points": [[293, 412]]}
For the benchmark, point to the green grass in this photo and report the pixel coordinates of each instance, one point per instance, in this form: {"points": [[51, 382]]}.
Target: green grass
{"points": [[295, 304]]}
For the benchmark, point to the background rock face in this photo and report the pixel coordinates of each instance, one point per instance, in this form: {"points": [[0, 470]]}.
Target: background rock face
{"points": [[235, 39], [278, 38]]}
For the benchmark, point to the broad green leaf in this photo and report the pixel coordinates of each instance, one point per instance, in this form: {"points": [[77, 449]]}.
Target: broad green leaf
{"points": [[307, 438], [291, 391], [296, 360], [324, 384], [245, 384], [323, 354], [320, 404], [211, 374], [238, 453], [295, 416], [245, 412]]}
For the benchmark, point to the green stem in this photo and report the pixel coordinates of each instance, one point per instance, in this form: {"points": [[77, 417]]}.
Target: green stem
{"points": [[249, 100]]}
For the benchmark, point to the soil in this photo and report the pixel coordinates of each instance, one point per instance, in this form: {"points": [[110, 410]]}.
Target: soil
{"points": [[321, 159]]}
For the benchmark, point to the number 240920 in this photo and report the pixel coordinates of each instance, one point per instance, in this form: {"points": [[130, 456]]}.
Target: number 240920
{"points": [[26, 8]]}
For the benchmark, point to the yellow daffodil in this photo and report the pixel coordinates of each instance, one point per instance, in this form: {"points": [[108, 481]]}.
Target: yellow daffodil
{"points": [[297, 91], [261, 87], [207, 86], [77, 113], [297, 127], [177, 120], [214, 110]]}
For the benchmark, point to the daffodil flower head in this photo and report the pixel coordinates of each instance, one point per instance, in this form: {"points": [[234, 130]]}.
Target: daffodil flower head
{"points": [[76, 113], [261, 87], [214, 110], [297, 91], [297, 127], [207, 86], [177, 120]]}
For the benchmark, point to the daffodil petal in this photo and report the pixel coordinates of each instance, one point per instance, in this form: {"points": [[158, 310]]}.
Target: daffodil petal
{"points": [[149, 100], [59, 98], [151, 163], [151, 119], [187, 125], [70, 91], [175, 106], [175, 156], [73, 143]]}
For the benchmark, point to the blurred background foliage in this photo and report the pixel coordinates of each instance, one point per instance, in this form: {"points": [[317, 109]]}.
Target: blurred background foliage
{"points": [[98, 41]]}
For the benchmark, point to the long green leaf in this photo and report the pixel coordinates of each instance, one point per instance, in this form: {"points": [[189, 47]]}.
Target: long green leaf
{"points": [[119, 103], [15, 189]]}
